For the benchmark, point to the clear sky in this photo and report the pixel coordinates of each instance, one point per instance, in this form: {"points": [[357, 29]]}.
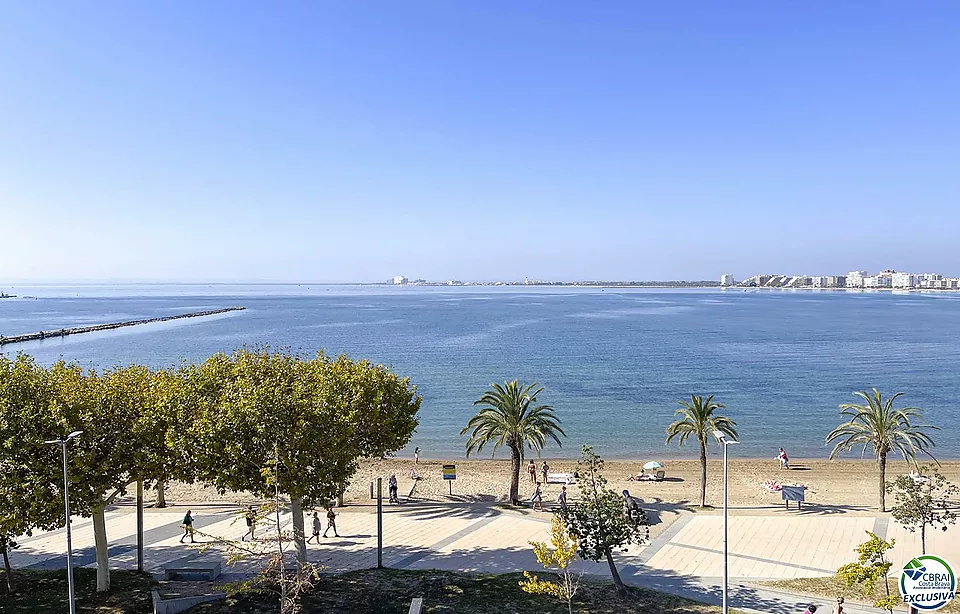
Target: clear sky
{"points": [[336, 141]]}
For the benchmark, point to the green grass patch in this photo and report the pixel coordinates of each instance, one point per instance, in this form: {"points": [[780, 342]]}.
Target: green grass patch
{"points": [[828, 589], [389, 591], [43, 592]]}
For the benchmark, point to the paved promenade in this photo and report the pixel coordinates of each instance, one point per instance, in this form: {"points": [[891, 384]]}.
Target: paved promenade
{"points": [[684, 557]]}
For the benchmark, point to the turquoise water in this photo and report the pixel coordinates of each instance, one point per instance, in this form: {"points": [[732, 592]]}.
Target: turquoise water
{"points": [[614, 362]]}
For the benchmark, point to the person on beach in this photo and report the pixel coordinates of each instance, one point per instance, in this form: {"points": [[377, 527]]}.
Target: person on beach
{"points": [[331, 522], [784, 461], [251, 517], [416, 456], [838, 608], [544, 470], [316, 528], [187, 527], [562, 498], [532, 470], [392, 486], [537, 498]]}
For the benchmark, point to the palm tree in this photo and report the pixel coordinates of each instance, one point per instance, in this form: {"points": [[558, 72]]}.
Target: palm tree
{"points": [[700, 421], [511, 417], [879, 426]]}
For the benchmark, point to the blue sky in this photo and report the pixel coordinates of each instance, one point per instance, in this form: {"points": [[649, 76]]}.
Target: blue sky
{"points": [[476, 140]]}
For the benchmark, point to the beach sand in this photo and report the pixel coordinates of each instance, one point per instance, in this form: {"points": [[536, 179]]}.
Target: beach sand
{"points": [[849, 485]]}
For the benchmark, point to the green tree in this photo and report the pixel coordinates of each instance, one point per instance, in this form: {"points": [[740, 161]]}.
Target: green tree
{"points": [[105, 407], [598, 520], [698, 418], [878, 425], [167, 401], [511, 417], [318, 416], [871, 567], [30, 472], [923, 502], [561, 556]]}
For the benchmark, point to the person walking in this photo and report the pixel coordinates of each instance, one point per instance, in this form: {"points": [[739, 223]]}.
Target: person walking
{"points": [[532, 470], [544, 470], [250, 516], [331, 522], [838, 608], [187, 527], [316, 528], [811, 609], [784, 461], [537, 498], [562, 498], [416, 456], [393, 487]]}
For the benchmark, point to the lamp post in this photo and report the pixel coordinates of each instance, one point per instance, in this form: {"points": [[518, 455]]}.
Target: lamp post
{"points": [[722, 440], [66, 506]]}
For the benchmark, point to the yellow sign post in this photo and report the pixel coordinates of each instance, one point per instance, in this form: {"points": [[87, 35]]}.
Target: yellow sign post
{"points": [[450, 473]]}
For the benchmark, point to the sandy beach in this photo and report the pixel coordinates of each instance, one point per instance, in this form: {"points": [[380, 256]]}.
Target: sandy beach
{"points": [[850, 485]]}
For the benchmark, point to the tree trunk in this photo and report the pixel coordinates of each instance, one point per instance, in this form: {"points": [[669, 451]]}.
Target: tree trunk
{"points": [[296, 510], [703, 473], [882, 462], [8, 570], [621, 589], [923, 538], [515, 476], [100, 540], [161, 496]]}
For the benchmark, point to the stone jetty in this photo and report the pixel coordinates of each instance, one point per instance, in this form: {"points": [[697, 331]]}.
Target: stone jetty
{"points": [[63, 332]]}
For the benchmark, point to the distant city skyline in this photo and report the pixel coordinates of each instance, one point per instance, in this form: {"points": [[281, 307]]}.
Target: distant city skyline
{"points": [[351, 142]]}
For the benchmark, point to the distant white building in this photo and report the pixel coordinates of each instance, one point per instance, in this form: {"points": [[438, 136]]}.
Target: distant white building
{"points": [[400, 280], [820, 281], [727, 280], [878, 281], [855, 279], [903, 280], [836, 281]]}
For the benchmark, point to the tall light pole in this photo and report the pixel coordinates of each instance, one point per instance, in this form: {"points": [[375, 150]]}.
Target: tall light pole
{"points": [[66, 506], [722, 440]]}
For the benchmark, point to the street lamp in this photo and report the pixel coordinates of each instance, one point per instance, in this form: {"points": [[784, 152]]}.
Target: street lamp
{"points": [[722, 440], [66, 506]]}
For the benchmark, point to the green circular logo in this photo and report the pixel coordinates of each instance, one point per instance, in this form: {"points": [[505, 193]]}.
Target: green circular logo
{"points": [[927, 583]]}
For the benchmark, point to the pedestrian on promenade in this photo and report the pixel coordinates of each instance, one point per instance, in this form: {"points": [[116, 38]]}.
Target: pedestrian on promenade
{"points": [[250, 516], [316, 528], [416, 456], [811, 609], [562, 498], [838, 609], [537, 498], [544, 470], [331, 522], [187, 525], [532, 470], [392, 486]]}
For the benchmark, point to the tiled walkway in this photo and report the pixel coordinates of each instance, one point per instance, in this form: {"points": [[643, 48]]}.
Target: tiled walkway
{"points": [[684, 558]]}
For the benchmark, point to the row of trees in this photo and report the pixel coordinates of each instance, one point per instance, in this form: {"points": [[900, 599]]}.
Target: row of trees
{"points": [[512, 416], [220, 422]]}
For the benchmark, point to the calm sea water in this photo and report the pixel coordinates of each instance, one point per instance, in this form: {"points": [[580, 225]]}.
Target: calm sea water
{"points": [[614, 362]]}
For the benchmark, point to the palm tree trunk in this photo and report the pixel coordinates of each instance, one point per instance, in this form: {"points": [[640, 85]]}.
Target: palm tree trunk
{"points": [[621, 589], [515, 475], [882, 462], [703, 473]]}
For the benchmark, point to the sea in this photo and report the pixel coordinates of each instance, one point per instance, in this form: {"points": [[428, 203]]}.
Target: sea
{"points": [[614, 362]]}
